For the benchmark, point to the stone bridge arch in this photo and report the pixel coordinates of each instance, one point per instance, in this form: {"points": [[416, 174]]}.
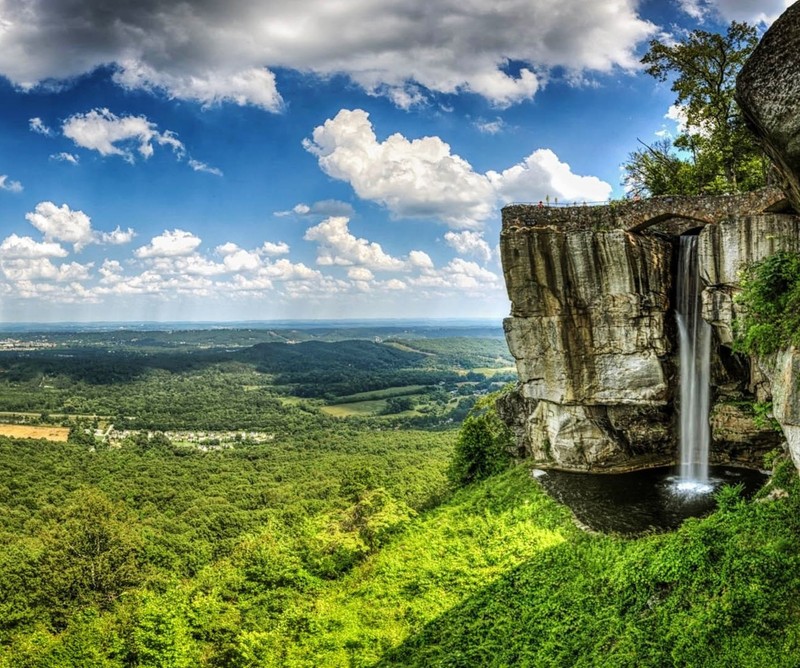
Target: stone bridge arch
{"points": [[635, 216]]}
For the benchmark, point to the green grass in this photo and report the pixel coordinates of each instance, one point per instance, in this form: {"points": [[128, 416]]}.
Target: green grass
{"points": [[449, 554], [380, 394], [496, 575], [500, 576], [355, 408]]}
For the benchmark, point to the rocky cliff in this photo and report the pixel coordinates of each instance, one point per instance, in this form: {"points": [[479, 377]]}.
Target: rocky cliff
{"points": [[768, 91], [593, 332]]}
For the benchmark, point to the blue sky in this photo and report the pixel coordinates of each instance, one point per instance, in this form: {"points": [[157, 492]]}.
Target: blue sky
{"points": [[254, 160]]}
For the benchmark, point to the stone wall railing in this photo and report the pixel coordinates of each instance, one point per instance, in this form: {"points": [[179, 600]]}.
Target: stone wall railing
{"points": [[637, 215]]}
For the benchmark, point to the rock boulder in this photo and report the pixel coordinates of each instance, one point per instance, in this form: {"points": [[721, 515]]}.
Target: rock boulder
{"points": [[768, 91]]}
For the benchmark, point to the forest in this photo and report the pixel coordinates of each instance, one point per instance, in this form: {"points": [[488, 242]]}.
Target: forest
{"points": [[297, 536]]}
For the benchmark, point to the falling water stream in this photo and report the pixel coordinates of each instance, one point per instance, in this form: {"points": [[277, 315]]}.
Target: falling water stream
{"points": [[695, 354], [658, 499]]}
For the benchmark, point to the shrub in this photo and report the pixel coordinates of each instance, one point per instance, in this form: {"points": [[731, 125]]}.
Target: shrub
{"points": [[484, 444], [770, 301]]}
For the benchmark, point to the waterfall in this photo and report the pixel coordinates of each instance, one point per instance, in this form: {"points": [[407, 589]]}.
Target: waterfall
{"points": [[695, 351]]}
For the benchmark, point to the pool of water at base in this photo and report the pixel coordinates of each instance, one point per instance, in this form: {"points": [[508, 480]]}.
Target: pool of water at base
{"points": [[640, 501]]}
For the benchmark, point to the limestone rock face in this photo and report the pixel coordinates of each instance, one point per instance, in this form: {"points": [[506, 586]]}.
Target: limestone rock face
{"points": [[589, 333], [768, 91], [726, 248], [783, 372]]}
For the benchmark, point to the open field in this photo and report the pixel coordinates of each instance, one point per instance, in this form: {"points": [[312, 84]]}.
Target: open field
{"points": [[380, 394], [493, 371], [29, 431], [355, 408]]}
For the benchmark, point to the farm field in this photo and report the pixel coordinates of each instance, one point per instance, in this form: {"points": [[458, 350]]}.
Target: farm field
{"points": [[34, 431]]}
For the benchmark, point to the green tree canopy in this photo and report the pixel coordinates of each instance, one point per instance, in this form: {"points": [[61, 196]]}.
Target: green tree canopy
{"points": [[714, 152]]}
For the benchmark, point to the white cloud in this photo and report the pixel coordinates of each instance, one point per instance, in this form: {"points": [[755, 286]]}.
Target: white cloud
{"points": [[337, 246], [242, 260], [694, 8], [41, 268], [38, 126], [543, 175], [237, 259], [764, 11], [110, 271], [324, 208], [16, 247], [360, 274], [198, 166], [254, 85], [469, 243], [108, 134], [285, 270], [394, 284], [423, 179], [173, 243], [269, 248], [490, 127], [62, 224], [677, 114], [405, 49], [458, 275], [420, 260], [117, 237], [71, 158], [10, 186], [419, 178]]}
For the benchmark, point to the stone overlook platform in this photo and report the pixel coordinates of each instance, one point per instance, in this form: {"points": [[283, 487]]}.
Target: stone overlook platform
{"points": [[637, 215]]}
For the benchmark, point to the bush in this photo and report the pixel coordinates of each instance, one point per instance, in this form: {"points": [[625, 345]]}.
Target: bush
{"points": [[484, 444], [770, 301]]}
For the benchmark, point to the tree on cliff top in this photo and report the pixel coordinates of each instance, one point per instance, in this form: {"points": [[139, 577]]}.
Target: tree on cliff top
{"points": [[715, 151]]}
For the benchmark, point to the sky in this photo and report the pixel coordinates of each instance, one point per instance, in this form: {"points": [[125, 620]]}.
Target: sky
{"points": [[309, 159]]}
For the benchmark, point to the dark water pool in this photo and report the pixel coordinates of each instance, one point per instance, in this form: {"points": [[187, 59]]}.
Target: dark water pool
{"points": [[640, 501]]}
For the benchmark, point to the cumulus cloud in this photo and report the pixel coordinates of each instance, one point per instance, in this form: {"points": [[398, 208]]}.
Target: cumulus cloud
{"points": [[211, 52], [765, 11], [360, 274], [116, 237], [25, 248], [9, 185], [469, 243], [173, 243], [254, 85], [542, 174], [337, 246], [108, 134], [269, 248], [41, 268], [60, 223], [459, 275], [423, 179], [420, 260], [418, 178]]}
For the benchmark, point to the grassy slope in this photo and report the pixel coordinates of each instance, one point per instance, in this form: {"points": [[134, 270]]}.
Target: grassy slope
{"points": [[499, 576], [449, 554]]}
